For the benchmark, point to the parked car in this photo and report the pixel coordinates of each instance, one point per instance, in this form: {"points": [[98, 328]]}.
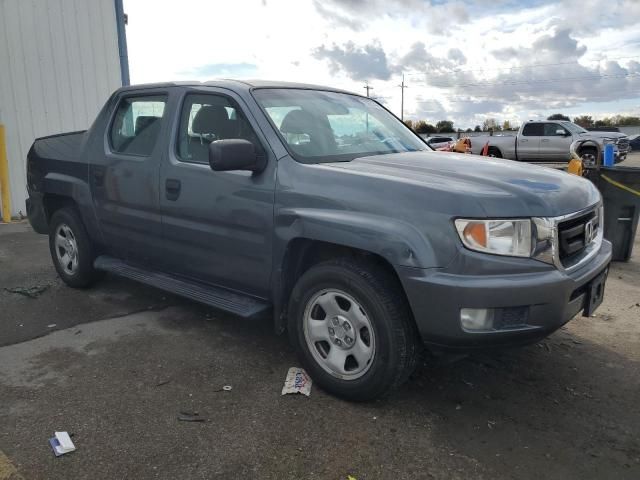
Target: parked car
{"points": [[634, 143], [549, 141], [321, 210], [439, 142]]}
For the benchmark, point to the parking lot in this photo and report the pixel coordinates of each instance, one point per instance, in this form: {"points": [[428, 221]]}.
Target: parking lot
{"points": [[116, 364]]}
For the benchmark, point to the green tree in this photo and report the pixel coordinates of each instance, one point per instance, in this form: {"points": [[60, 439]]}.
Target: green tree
{"points": [[409, 123], [558, 116], [423, 127], [621, 120], [477, 128], [605, 122], [506, 125], [444, 126], [585, 121]]}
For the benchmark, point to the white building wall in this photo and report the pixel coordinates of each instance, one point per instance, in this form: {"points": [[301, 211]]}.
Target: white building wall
{"points": [[59, 62]]}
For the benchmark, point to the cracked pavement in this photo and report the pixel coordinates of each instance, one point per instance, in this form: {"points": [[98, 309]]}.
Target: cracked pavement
{"points": [[115, 365]]}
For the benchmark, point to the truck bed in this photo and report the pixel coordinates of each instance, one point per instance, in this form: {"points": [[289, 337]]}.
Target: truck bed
{"points": [[56, 153]]}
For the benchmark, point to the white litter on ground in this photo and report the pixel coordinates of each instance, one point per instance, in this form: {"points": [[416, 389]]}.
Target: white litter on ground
{"points": [[297, 381], [61, 443]]}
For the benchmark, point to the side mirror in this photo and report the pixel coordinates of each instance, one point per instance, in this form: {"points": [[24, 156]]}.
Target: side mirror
{"points": [[235, 154], [562, 132]]}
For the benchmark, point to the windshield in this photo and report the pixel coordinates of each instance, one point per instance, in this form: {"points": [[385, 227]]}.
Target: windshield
{"points": [[320, 126], [573, 128]]}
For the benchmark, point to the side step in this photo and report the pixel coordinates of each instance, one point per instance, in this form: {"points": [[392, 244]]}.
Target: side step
{"points": [[217, 297]]}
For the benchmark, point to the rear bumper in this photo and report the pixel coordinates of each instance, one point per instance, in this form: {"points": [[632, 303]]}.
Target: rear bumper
{"points": [[546, 300], [36, 214]]}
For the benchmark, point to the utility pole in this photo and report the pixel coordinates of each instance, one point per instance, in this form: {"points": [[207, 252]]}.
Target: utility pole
{"points": [[402, 87], [367, 87]]}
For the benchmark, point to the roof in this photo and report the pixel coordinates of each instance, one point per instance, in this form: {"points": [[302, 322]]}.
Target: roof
{"points": [[235, 84]]}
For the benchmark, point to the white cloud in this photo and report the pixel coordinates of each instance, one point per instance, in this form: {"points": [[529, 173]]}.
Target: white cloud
{"points": [[461, 60]]}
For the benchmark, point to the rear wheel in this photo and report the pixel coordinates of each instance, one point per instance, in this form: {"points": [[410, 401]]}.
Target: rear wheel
{"points": [[71, 249], [494, 152], [352, 328]]}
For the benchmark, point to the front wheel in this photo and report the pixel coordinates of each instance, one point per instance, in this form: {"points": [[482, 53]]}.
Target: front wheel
{"points": [[589, 156], [352, 328]]}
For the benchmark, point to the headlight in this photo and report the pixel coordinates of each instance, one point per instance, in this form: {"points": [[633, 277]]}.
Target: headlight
{"points": [[500, 237]]}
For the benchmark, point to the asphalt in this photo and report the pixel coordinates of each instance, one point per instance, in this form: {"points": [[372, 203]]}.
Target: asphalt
{"points": [[115, 365]]}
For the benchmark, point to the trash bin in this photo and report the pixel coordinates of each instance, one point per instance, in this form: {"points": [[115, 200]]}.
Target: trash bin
{"points": [[620, 188]]}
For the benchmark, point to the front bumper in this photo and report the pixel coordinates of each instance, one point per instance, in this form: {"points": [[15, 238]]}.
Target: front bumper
{"points": [[549, 297]]}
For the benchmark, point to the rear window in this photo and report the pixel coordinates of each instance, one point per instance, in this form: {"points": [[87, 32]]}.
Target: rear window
{"points": [[136, 124]]}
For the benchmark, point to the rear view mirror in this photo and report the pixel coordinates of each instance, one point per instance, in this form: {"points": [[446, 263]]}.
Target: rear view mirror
{"points": [[235, 154]]}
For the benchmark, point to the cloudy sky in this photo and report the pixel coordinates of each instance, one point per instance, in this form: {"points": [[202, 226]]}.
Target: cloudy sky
{"points": [[462, 60]]}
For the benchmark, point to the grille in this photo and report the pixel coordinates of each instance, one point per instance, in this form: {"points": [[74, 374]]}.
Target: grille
{"points": [[623, 143], [575, 235]]}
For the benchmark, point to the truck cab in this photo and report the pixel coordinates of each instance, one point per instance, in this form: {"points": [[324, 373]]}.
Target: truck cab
{"points": [[550, 141]]}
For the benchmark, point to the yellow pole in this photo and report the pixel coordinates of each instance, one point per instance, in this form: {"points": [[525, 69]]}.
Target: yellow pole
{"points": [[4, 178]]}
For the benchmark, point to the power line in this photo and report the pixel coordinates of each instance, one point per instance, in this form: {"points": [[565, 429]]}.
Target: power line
{"points": [[367, 87], [528, 82], [520, 67]]}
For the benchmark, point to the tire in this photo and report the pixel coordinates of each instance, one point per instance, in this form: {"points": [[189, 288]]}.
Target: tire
{"points": [[76, 269], [383, 320], [494, 152], [589, 155]]}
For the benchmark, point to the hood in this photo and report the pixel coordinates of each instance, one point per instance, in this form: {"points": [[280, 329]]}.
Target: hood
{"points": [[503, 188], [603, 134]]}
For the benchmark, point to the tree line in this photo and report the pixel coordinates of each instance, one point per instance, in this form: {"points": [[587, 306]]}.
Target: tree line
{"points": [[586, 121], [446, 126], [491, 124]]}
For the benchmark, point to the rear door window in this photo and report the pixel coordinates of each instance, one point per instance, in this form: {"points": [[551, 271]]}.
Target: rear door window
{"points": [[533, 130], [136, 124]]}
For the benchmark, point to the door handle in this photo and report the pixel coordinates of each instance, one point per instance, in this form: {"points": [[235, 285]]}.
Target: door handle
{"points": [[172, 189], [544, 140], [523, 140]]}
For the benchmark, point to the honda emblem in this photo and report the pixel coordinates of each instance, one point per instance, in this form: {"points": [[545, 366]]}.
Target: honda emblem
{"points": [[589, 232]]}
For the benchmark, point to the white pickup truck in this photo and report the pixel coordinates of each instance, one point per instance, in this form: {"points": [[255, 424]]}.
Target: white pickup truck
{"points": [[549, 141]]}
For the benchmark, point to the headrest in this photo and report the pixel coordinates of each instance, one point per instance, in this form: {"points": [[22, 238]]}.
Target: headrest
{"points": [[144, 121], [210, 119], [299, 122]]}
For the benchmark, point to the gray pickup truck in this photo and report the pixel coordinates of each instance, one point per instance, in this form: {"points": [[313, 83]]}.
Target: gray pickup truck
{"points": [[319, 209], [550, 141]]}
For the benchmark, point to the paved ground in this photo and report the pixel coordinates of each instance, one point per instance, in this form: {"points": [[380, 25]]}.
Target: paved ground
{"points": [[115, 365]]}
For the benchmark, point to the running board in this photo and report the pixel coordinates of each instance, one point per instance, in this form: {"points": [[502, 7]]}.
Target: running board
{"points": [[217, 297]]}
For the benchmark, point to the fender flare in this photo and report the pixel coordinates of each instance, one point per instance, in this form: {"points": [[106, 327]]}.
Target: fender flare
{"points": [[79, 191], [397, 241]]}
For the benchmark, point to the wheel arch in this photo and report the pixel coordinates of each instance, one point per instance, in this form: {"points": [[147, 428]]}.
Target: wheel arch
{"points": [[62, 190], [301, 254], [495, 149], [52, 202]]}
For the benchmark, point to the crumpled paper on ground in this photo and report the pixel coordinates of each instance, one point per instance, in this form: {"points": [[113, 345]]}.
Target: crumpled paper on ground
{"points": [[297, 381]]}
